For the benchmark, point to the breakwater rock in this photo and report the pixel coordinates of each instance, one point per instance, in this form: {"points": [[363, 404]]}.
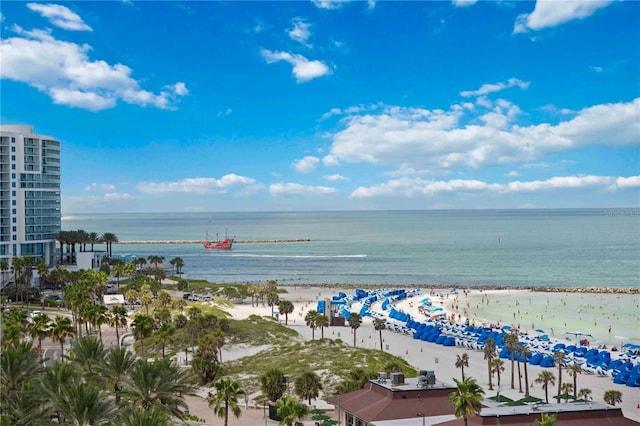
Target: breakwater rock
{"points": [[287, 240]]}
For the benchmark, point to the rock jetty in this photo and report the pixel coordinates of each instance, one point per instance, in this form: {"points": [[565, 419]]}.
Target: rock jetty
{"points": [[288, 240]]}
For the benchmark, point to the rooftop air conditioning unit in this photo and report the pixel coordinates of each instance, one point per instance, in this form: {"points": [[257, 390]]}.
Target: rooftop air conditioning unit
{"points": [[397, 378], [382, 377]]}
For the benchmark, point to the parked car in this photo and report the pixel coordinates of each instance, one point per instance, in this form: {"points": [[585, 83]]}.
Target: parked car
{"points": [[53, 297]]}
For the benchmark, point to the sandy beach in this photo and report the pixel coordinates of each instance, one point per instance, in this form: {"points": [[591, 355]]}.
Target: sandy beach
{"points": [[441, 359]]}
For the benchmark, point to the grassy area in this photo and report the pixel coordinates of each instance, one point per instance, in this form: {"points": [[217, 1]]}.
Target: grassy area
{"points": [[332, 360], [258, 330]]}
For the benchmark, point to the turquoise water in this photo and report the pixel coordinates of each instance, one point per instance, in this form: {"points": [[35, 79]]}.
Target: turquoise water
{"points": [[563, 248]]}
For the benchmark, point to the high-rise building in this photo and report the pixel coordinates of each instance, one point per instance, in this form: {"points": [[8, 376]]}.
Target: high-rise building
{"points": [[30, 216]]}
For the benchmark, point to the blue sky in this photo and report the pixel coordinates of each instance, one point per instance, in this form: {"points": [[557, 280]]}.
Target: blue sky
{"points": [[323, 105]]}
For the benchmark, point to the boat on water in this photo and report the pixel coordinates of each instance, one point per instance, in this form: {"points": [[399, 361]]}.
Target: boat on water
{"points": [[218, 244]]}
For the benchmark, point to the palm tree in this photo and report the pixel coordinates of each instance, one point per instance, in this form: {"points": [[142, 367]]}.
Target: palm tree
{"points": [[88, 353], [290, 410], [612, 397], [93, 238], [574, 370], [117, 318], [115, 366], [546, 420], [108, 238], [61, 374], [19, 364], [558, 357], [585, 394], [322, 321], [84, 404], [118, 270], [466, 400], [4, 267], [310, 319], [511, 343], [155, 259], [99, 316], [17, 264], [566, 389], [142, 327], [159, 384], [355, 321], [273, 384], [285, 307], [380, 324], [42, 268], [489, 350], [546, 378], [164, 333], [39, 328], [225, 399], [497, 366], [61, 329], [308, 385], [462, 361], [153, 417], [272, 300], [178, 263]]}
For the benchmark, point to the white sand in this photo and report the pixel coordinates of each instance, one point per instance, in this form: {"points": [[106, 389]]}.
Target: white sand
{"points": [[430, 356], [421, 355]]}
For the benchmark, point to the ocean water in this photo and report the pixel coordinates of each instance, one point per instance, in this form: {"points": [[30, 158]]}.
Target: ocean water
{"points": [[560, 248]]}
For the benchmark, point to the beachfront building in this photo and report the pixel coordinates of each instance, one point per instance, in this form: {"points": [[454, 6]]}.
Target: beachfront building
{"points": [[396, 398], [30, 214], [400, 401]]}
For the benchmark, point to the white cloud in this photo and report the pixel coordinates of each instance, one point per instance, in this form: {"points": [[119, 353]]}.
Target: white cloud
{"points": [[64, 71], [485, 89], [303, 69], [97, 186], [287, 189], [60, 16], [627, 182], [227, 111], [306, 164], [512, 173], [463, 3], [299, 31], [436, 141], [417, 187], [329, 4], [117, 196], [196, 185], [336, 178], [180, 89], [548, 14], [371, 4]]}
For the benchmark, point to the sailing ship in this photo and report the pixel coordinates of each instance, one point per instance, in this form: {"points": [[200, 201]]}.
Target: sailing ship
{"points": [[218, 244]]}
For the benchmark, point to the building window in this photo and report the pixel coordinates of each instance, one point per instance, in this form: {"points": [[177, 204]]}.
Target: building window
{"points": [[13, 193], [13, 167], [13, 158], [13, 211], [13, 140], [15, 228], [13, 220], [15, 238], [13, 149]]}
